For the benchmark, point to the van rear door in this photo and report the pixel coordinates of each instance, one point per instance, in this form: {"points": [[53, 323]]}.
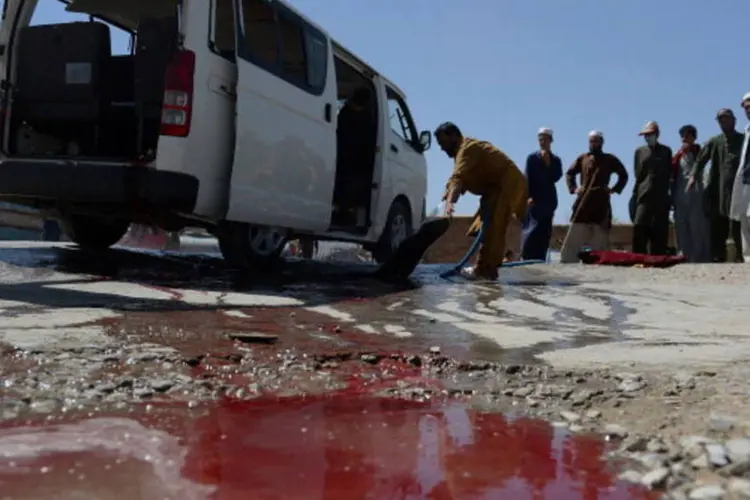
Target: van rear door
{"points": [[11, 9], [11, 17], [203, 146], [285, 151]]}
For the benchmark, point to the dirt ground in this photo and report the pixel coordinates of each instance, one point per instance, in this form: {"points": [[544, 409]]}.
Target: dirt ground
{"points": [[653, 359]]}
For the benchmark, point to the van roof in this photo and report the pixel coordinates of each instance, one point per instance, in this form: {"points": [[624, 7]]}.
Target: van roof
{"points": [[395, 88], [101, 8], [315, 25]]}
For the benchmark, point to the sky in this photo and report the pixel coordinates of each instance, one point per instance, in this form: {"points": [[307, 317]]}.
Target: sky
{"points": [[501, 69]]}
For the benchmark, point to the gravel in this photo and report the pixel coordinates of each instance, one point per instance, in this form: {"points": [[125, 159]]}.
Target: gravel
{"points": [[686, 433], [699, 465]]}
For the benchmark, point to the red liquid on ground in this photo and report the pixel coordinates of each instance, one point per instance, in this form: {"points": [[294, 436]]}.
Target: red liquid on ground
{"points": [[334, 447]]}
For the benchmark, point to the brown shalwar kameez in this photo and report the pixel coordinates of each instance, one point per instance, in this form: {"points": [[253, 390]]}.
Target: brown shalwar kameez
{"points": [[592, 212], [484, 170]]}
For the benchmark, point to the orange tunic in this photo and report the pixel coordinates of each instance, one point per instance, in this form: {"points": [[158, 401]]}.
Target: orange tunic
{"points": [[484, 170], [480, 167]]}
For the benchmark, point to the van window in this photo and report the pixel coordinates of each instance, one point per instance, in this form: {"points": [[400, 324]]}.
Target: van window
{"points": [[55, 13], [221, 37], [260, 33], [278, 40], [293, 63], [400, 118], [316, 48]]}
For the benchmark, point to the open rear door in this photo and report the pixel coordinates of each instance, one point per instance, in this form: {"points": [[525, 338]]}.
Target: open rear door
{"points": [[285, 153], [11, 15]]}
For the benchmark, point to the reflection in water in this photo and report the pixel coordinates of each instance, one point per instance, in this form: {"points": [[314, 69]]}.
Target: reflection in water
{"points": [[313, 448]]}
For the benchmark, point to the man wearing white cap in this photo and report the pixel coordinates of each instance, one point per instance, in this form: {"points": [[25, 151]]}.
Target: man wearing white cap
{"points": [[592, 210], [653, 175], [740, 208], [543, 171]]}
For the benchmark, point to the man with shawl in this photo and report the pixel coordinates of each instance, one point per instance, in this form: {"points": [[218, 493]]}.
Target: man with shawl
{"points": [[740, 208], [691, 220], [723, 151]]}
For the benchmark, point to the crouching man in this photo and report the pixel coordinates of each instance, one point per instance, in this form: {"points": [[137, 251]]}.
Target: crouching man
{"points": [[482, 169]]}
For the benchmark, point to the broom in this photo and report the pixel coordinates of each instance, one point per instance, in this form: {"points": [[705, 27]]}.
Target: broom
{"points": [[586, 192]]}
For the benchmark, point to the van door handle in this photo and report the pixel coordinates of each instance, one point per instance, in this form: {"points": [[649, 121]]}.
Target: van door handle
{"points": [[225, 90], [394, 148], [328, 112]]}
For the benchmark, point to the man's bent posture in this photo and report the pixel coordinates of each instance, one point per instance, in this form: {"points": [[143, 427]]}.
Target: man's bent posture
{"points": [[482, 169]]}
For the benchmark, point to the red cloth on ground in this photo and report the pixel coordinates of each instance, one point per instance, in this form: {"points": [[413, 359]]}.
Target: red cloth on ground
{"points": [[617, 258]]}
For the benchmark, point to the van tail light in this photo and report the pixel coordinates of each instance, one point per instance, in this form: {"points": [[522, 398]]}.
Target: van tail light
{"points": [[177, 107]]}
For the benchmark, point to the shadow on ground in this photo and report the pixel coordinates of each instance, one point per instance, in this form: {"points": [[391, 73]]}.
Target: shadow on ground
{"points": [[29, 272]]}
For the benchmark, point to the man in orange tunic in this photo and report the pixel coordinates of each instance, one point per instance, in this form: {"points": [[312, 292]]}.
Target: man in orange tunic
{"points": [[482, 169]]}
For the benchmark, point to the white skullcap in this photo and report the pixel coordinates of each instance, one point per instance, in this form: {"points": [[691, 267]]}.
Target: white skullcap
{"points": [[746, 98], [596, 133], [545, 131]]}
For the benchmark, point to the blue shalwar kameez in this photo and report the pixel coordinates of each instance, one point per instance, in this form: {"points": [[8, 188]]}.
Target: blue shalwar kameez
{"points": [[537, 225]]}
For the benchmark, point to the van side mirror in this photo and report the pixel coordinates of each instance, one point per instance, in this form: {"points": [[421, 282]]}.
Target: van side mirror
{"points": [[425, 140]]}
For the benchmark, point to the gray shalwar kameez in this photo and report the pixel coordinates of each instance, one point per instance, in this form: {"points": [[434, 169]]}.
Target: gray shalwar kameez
{"points": [[691, 219]]}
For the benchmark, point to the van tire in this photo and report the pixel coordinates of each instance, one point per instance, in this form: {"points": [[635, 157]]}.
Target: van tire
{"points": [[398, 227], [244, 247], [94, 233]]}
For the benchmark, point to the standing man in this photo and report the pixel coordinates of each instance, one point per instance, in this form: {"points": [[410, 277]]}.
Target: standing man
{"points": [[653, 175], [482, 169], [740, 210], [690, 219], [543, 170], [592, 211], [723, 151]]}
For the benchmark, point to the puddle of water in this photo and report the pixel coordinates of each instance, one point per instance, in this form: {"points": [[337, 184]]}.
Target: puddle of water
{"points": [[334, 447], [342, 286]]}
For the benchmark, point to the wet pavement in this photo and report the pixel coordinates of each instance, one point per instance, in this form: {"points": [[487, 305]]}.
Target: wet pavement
{"points": [[530, 316], [311, 381], [317, 305]]}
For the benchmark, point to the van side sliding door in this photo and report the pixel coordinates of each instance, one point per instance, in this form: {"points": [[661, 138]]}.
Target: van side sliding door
{"points": [[285, 152]]}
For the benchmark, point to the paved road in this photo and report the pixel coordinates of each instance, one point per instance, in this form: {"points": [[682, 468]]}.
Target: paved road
{"points": [[53, 295]]}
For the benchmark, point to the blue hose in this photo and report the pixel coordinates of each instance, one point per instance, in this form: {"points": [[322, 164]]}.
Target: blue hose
{"points": [[473, 249], [469, 254]]}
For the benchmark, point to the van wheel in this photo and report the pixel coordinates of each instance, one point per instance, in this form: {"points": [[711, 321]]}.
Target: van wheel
{"points": [[247, 246], [397, 229], [94, 233]]}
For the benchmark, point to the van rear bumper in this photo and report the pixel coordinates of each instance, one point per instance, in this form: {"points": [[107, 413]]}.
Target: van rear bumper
{"points": [[55, 183]]}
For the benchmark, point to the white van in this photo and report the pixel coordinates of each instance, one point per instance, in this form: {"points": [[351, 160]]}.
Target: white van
{"points": [[239, 116]]}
